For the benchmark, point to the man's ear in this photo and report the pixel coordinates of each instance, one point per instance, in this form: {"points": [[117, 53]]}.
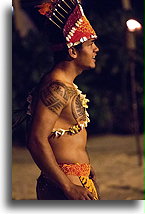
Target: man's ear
{"points": [[72, 52]]}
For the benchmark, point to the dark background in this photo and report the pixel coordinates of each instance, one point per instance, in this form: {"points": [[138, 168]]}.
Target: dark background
{"points": [[108, 86]]}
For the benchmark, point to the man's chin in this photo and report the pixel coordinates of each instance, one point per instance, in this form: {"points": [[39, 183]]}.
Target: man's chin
{"points": [[92, 66]]}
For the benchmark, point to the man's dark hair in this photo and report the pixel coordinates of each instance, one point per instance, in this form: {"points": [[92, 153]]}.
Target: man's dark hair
{"points": [[63, 55]]}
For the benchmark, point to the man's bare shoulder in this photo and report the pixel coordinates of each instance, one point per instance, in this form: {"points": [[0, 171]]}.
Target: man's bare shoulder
{"points": [[54, 95], [58, 86]]}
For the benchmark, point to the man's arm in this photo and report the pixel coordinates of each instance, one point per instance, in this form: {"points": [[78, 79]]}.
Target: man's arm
{"points": [[92, 174], [51, 101]]}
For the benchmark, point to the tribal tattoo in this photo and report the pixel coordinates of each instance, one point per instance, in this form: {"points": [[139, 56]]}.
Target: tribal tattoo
{"points": [[71, 91], [54, 96], [77, 109]]}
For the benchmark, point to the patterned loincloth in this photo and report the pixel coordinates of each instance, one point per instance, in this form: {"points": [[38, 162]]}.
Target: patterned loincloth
{"points": [[47, 190]]}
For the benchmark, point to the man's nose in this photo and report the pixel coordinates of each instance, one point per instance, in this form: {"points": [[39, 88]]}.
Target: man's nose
{"points": [[96, 49]]}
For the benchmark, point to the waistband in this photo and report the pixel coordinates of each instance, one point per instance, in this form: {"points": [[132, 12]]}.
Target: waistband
{"points": [[77, 169]]}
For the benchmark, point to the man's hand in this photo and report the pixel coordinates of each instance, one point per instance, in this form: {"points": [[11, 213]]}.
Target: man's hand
{"points": [[76, 192]]}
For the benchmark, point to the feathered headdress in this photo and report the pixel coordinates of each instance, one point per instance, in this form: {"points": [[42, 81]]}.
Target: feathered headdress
{"points": [[68, 15]]}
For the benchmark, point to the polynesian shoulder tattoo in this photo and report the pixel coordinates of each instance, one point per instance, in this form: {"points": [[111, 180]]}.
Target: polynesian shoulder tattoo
{"points": [[54, 96], [78, 109]]}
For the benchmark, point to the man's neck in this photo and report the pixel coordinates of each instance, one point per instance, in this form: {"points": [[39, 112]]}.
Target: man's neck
{"points": [[66, 71]]}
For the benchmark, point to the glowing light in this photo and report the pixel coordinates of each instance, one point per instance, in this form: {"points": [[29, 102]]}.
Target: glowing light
{"points": [[133, 25]]}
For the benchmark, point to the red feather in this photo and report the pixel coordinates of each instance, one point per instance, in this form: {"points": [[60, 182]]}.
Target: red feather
{"points": [[45, 8]]}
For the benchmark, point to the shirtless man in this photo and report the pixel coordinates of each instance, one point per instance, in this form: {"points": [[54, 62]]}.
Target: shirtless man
{"points": [[57, 138]]}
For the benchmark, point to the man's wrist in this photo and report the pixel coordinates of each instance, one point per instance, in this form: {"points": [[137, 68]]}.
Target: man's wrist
{"points": [[67, 186]]}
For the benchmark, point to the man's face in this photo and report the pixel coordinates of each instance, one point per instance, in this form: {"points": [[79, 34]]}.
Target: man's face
{"points": [[86, 55]]}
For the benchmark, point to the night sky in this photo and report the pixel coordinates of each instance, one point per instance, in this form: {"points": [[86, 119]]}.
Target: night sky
{"points": [[104, 7]]}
